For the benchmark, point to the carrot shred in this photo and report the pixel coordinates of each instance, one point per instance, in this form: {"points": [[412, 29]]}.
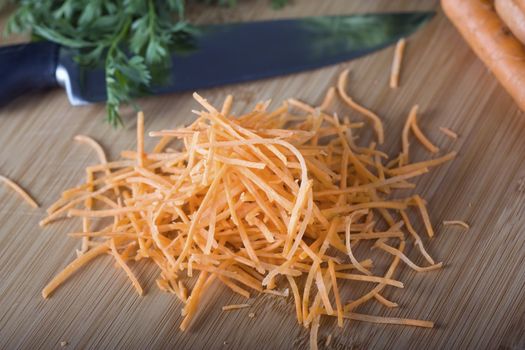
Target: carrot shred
{"points": [[235, 307], [86, 224], [321, 287], [389, 320], [93, 144], [417, 239], [389, 273], [385, 301], [329, 97], [307, 288], [125, 267], [328, 340], [313, 332], [339, 306], [140, 139], [424, 214], [421, 165], [356, 263], [297, 298], [191, 306], [422, 138], [378, 126], [448, 132], [457, 223], [403, 158], [405, 259], [396, 63], [227, 106], [234, 287], [73, 267], [373, 279]]}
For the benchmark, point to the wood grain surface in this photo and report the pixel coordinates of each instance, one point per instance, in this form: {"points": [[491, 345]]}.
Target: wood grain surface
{"points": [[477, 300]]}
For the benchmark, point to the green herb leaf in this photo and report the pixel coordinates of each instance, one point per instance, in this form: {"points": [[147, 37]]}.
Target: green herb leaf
{"points": [[130, 39]]}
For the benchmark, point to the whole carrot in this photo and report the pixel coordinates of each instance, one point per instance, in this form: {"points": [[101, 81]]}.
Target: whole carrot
{"points": [[485, 32], [512, 12]]}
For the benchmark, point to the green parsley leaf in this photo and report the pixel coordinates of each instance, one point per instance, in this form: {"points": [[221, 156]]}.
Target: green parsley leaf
{"points": [[130, 39]]}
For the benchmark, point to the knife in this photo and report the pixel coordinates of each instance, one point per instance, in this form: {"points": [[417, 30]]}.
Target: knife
{"points": [[221, 54]]}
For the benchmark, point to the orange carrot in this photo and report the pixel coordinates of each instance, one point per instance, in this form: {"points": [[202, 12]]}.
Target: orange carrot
{"points": [[484, 31], [512, 12]]}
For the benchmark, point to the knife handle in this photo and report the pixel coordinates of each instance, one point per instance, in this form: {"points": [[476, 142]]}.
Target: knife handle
{"points": [[25, 68]]}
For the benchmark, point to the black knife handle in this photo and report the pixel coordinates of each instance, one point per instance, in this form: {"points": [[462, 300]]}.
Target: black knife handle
{"points": [[25, 68]]}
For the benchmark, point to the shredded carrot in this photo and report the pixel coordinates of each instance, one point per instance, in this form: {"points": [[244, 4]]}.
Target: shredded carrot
{"points": [[389, 320], [328, 340], [283, 294], [396, 63], [323, 292], [313, 332], [448, 132], [125, 267], [331, 267], [373, 279], [235, 307], [19, 190], [422, 138], [307, 288], [403, 257], [329, 97], [86, 224], [418, 241], [457, 223], [258, 203], [93, 144], [191, 306], [297, 298], [384, 301], [341, 89], [72, 268], [424, 214], [140, 139], [102, 213], [227, 106], [349, 249], [404, 136]]}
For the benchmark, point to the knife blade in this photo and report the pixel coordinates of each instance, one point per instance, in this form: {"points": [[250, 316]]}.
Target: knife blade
{"points": [[220, 54]]}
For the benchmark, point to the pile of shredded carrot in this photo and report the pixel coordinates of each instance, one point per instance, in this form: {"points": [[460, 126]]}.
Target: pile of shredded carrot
{"points": [[268, 201]]}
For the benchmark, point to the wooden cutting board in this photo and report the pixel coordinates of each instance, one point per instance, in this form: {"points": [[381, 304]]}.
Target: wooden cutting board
{"points": [[477, 300]]}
